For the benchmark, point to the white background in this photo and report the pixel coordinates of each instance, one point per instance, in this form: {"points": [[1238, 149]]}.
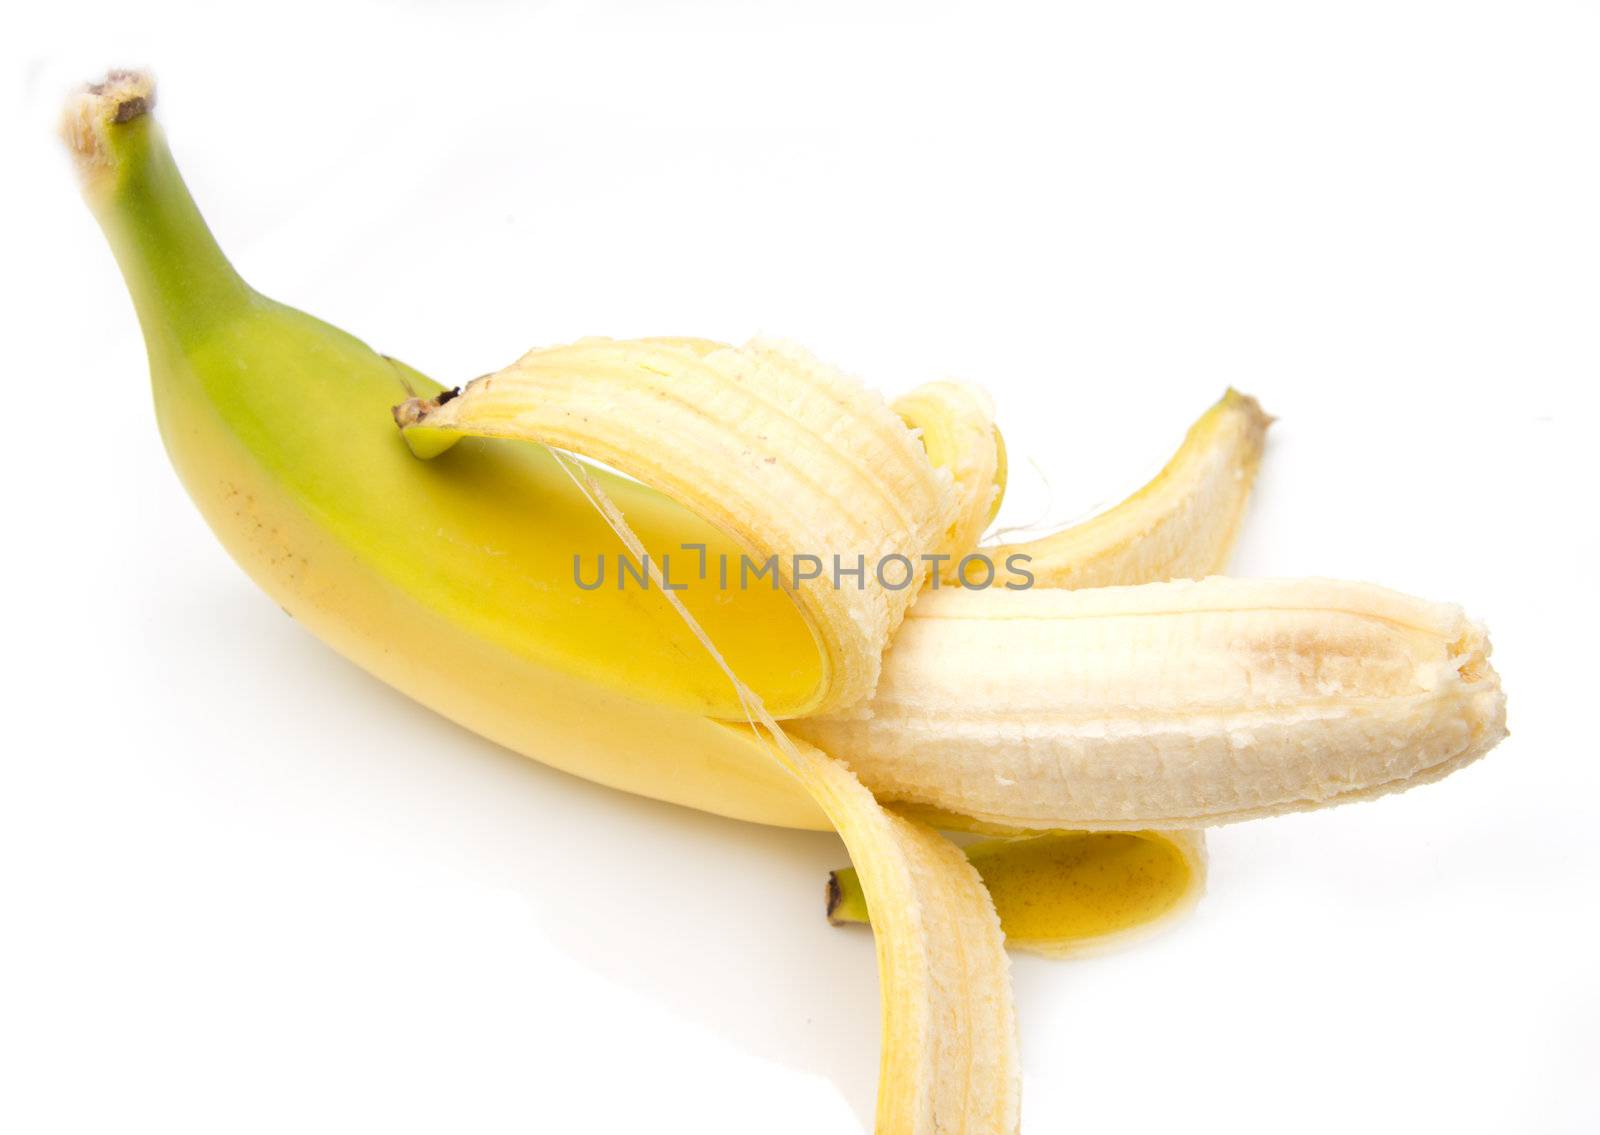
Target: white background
{"points": [[244, 887]]}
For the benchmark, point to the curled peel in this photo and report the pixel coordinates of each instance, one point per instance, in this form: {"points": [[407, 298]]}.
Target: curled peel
{"points": [[955, 423], [791, 457], [949, 1052], [1182, 525]]}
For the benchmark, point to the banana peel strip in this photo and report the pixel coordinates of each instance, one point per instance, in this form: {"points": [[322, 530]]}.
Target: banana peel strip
{"points": [[1182, 525], [1070, 894], [789, 456], [949, 1061], [949, 1051], [955, 423]]}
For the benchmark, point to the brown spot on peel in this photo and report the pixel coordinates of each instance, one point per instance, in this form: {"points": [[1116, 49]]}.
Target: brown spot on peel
{"points": [[129, 109]]}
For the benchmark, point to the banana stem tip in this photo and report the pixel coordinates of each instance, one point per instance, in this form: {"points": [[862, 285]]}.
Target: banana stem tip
{"points": [[834, 897], [120, 97]]}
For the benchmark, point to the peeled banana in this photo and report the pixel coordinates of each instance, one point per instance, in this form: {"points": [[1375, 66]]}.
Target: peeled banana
{"points": [[1169, 705], [883, 675]]}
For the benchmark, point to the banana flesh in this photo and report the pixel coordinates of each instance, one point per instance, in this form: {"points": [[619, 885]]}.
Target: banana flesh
{"points": [[1169, 705]]}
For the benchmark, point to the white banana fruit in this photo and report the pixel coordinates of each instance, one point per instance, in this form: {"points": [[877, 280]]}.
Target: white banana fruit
{"points": [[1169, 705]]}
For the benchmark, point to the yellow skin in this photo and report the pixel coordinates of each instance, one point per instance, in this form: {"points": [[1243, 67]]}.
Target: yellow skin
{"points": [[451, 580]]}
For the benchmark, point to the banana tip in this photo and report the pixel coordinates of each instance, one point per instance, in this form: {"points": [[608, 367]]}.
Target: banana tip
{"points": [[121, 97], [1250, 404], [835, 897]]}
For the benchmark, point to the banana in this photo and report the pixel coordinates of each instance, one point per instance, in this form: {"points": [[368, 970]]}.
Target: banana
{"points": [[806, 703]]}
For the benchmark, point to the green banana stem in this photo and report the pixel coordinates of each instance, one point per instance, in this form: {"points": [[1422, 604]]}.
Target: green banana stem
{"points": [[182, 284]]}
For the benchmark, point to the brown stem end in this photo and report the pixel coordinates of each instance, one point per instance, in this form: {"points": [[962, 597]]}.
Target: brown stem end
{"points": [[120, 97]]}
